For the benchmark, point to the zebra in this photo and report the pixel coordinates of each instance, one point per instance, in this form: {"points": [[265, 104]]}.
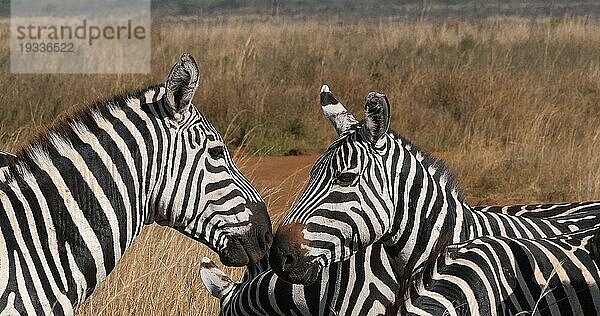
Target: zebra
{"points": [[499, 275], [262, 293], [368, 274], [373, 185], [364, 285], [75, 198]]}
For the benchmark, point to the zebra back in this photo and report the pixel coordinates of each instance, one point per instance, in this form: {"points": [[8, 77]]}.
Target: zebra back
{"points": [[507, 276], [547, 210]]}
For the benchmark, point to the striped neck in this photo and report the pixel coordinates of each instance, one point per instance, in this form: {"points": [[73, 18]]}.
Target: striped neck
{"points": [[427, 205], [91, 179], [431, 213]]}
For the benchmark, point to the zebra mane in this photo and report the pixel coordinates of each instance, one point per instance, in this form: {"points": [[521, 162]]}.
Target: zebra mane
{"points": [[62, 127], [436, 167]]}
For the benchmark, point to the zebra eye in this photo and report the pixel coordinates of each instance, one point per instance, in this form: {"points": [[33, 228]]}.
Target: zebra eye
{"points": [[345, 178], [217, 152]]}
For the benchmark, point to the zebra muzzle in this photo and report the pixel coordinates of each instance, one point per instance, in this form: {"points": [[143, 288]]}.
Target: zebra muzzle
{"points": [[248, 247], [289, 260]]}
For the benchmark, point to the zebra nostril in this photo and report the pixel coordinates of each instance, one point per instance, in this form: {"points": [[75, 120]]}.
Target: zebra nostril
{"points": [[267, 240], [289, 262]]}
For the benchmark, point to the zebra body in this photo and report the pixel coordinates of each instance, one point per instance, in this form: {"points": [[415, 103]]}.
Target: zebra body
{"points": [[373, 185], [369, 272], [74, 200], [508, 276], [363, 285]]}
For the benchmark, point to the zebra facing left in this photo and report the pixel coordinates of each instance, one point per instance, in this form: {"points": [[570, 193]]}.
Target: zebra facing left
{"points": [[74, 199], [361, 284], [373, 185]]}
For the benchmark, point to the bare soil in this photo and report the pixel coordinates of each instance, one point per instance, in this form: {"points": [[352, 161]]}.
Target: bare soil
{"points": [[279, 179]]}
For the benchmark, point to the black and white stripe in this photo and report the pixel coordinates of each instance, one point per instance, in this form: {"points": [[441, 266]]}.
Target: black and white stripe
{"points": [[373, 185], [74, 200], [543, 210], [363, 285], [360, 285], [4, 158], [508, 276]]}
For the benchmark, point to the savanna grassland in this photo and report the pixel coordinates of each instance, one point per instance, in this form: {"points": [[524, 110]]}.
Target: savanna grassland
{"points": [[512, 104]]}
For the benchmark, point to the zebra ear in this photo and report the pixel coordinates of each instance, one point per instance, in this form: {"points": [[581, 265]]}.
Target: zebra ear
{"points": [[215, 280], [335, 111], [377, 116], [182, 83]]}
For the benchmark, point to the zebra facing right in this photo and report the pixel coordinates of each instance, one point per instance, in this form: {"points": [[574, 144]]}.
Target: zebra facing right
{"points": [[73, 200]]}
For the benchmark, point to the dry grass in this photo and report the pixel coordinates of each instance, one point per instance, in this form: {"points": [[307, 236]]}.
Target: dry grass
{"points": [[159, 275], [512, 104]]}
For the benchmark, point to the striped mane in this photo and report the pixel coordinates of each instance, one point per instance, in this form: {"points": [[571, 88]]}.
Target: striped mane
{"points": [[63, 126], [436, 167]]}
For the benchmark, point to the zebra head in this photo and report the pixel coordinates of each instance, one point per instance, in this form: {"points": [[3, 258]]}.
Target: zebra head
{"points": [[201, 192], [346, 204]]}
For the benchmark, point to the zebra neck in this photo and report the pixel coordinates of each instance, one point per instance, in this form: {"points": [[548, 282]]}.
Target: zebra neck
{"points": [[454, 221], [428, 210], [429, 213], [84, 189]]}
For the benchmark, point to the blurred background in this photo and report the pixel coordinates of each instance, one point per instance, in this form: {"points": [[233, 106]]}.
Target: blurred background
{"points": [[507, 92]]}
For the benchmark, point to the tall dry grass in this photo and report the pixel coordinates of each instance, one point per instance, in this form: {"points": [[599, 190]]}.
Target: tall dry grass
{"points": [[513, 104], [518, 98]]}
